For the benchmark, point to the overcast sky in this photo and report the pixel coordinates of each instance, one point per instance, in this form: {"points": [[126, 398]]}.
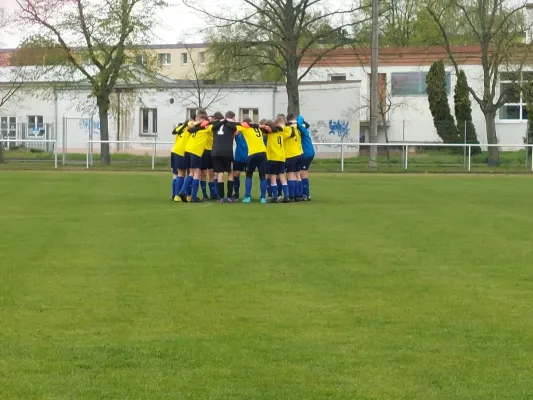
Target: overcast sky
{"points": [[179, 23]]}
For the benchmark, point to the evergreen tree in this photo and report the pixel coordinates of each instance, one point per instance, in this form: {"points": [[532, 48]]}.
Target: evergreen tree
{"points": [[438, 104], [463, 112]]}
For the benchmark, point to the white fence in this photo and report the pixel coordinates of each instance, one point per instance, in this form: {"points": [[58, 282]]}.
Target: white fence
{"points": [[39, 142], [350, 149]]}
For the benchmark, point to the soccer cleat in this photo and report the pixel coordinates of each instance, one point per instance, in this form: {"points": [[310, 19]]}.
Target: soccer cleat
{"points": [[286, 200], [263, 200], [183, 197], [177, 199], [207, 198], [246, 200], [229, 200], [189, 198], [197, 200], [235, 198], [220, 201], [273, 200], [269, 199]]}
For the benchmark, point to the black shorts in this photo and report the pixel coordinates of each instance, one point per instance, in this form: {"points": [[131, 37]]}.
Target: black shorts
{"points": [[239, 166], [222, 164], [256, 161], [294, 164], [177, 162], [207, 160], [193, 161], [276, 167], [306, 163]]}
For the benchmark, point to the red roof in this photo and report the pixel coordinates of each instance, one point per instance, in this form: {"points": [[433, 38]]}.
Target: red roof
{"points": [[4, 56]]}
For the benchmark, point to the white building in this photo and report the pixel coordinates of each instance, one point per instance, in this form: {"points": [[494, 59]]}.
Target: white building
{"points": [[402, 71], [47, 108]]}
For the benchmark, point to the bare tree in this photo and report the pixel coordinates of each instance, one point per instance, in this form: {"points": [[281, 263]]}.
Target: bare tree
{"points": [[279, 33], [199, 92], [498, 27], [107, 30]]}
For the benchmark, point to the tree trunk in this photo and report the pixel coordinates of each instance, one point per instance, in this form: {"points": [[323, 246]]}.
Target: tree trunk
{"points": [[494, 151], [386, 130], [2, 159], [293, 95], [103, 113]]}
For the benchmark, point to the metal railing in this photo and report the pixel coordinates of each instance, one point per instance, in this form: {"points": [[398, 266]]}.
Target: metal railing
{"points": [[43, 141]]}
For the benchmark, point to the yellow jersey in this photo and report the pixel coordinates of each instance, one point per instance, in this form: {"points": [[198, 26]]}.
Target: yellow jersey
{"points": [[198, 139], [293, 145], [254, 139], [275, 148], [209, 143], [182, 136]]}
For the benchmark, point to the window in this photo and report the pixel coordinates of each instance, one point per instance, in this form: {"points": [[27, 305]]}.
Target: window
{"points": [[8, 127], [413, 83], [148, 122], [252, 113], [141, 59], [190, 113], [337, 77], [515, 101], [184, 58], [165, 59], [35, 125], [201, 58]]}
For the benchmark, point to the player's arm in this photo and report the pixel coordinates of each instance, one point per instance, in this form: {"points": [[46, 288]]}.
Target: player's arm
{"points": [[179, 129], [302, 125]]}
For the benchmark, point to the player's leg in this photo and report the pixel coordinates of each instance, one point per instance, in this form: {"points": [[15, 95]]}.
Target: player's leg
{"points": [[228, 161], [196, 166], [299, 187], [213, 189], [269, 183], [251, 165], [261, 166], [271, 180], [291, 176], [187, 183], [174, 168], [304, 173], [236, 180], [284, 186]]}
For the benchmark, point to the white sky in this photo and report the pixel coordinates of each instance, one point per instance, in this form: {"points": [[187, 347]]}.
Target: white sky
{"points": [[180, 23]]}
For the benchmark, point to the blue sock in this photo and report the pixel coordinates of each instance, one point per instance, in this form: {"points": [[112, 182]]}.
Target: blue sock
{"points": [[305, 184], [211, 190], [299, 189], [292, 189], [195, 184], [285, 189], [204, 188], [248, 188], [236, 185], [179, 183], [280, 186], [189, 188], [269, 189], [174, 181], [274, 191], [263, 188], [186, 184]]}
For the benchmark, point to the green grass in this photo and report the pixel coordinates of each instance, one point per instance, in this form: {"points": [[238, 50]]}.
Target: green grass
{"points": [[383, 287], [424, 160]]}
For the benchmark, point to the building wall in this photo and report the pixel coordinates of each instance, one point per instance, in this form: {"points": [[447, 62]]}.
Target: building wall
{"points": [[177, 69], [328, 107], [409, 116]]}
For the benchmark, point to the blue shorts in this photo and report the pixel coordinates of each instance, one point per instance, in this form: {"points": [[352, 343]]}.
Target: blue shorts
{"points": [[306, 163], [294, 164], [207, 161], [239, 166], [193, 161], [276, 167], [256, 161], [177, 162]]}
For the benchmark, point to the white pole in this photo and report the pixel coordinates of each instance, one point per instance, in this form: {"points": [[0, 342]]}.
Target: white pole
{"points": [[469, 157], [153, 154], [87, 156], [406, 155], [342, 156], [464, 152], [63, 141], [55, 154]]}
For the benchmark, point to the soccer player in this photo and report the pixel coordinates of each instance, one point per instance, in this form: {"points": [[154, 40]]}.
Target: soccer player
{"points": [[298, 151], [276, 157], [308, 156], [224, 133], [253, 134], [241, 156], [194, 150], [207, 171], [177, 159], [293, 151]]}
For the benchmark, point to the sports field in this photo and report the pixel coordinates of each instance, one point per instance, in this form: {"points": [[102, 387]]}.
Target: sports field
{"points": [[382, 287]]}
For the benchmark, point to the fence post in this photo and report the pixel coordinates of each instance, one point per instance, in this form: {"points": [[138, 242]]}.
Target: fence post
{"points": [[464, 151], [527, 143], [87, 155], [406, 155], [342, 155], [531, 159], [153, 154], [63, 141], [55, 154], [469, 157]]}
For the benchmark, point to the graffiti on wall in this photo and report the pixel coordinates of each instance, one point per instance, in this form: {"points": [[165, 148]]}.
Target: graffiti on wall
{"points": [[85, 124], [324, 131]]}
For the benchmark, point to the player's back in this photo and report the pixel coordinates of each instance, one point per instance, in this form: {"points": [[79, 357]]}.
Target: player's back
{"points": [[223, 137], [276, 143], [198, 139], [241, 148], [293, 146], [253, 136]]}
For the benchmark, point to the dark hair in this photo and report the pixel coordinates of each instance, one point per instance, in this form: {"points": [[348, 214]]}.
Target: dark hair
{"points": [[218, 115], [230, 115], [263, 121], [290, 117], [193, 116], [247, 120]]}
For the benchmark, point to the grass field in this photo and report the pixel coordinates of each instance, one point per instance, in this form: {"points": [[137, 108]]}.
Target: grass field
{"points": [[383, 287]]}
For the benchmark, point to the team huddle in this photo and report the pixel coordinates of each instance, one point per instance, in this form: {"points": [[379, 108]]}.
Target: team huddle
{"points": [[207, 147]]}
